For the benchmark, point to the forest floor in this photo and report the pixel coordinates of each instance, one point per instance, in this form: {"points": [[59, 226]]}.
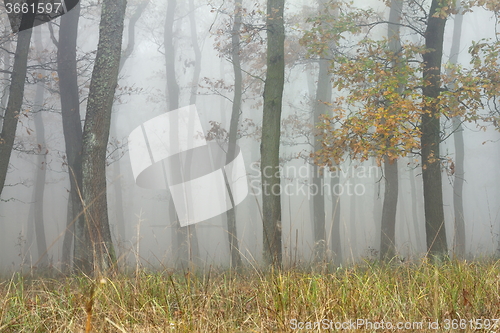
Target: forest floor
{"points": [[369, 297]]}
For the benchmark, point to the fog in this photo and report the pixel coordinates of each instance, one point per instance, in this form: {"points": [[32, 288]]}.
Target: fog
{"points": [[144, 215]]}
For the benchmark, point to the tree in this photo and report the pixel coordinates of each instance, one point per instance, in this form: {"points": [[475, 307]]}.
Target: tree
{"points": [[269, 148], [99, 253], [391, 111], [233, 129], [458, 170], [388, 224], [181, 235], [16, 94], [320, 106], [430, 128], [117, 181], [41, 165], [72, 127]]}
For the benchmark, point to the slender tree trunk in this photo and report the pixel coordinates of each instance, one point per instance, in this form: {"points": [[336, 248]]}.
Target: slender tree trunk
{"points": [[41, 165], [117, 180], [430, 133], [16, 94], [459, 244], [377, 204], [414, 209], [388, 225], [323, 96], [233, 129], [72, 130], [197, 53], [336, 245], [269, 148], [96, 133], [181, 244], [353, 230], [192, 231], [389, 208]]}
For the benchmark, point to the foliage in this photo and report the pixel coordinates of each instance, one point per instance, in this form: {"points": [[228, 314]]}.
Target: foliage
{"points": [[381, 102]]}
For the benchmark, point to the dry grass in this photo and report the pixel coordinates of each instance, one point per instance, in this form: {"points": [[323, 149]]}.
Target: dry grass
{"points": [[224, 301]]}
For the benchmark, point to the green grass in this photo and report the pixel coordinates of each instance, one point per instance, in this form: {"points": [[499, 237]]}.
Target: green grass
{"points": [[225, 301]]}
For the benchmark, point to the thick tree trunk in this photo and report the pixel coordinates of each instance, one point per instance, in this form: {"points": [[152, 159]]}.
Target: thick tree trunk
{"points": [[96, 134], [269, 148], [430, 129], [72, 129], [389, 208], [232, 231]]}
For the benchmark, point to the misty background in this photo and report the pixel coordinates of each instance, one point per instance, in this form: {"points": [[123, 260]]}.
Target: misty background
{"points": [[141, 220]]}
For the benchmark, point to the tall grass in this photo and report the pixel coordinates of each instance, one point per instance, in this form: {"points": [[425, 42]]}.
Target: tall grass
{"points": [[254, 301]]}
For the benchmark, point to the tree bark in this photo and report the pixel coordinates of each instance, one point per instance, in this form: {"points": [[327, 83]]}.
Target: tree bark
{"points": [[232, 231], [353, 230], [41, 164], [430, 133], [336, 245], [388, 225], [414, 209], [459, 244], [192, 231], [117, 179], [72, 128], [181, 234], [269, 148], [96, 134], [389, 208], [16, 94], [323, 95]]}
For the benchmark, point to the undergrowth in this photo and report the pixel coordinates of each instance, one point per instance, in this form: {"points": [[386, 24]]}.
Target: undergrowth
{"points": [[453, 292]]}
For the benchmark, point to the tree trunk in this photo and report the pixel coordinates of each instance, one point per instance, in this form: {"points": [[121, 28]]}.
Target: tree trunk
{"points": [[388, 225], [117, 179], [269, 148], [72, 129], [181, 244], [459, 244], [389, 208], [335, 233], [96, 134], [353, 234], [192, 231], [232, 231], [430, 133], [16, 94], [377, 204], [41, 165], [414, 209], [323, 96]]}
